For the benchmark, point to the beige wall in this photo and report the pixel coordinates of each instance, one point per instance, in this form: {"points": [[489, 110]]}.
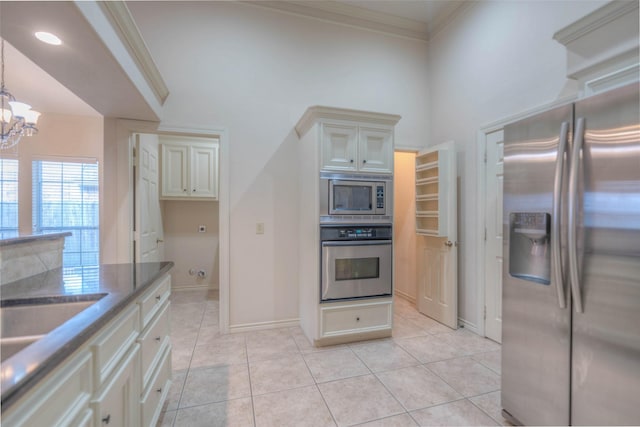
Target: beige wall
{"points": [[188, 248], [60, 137], [404, 225]]}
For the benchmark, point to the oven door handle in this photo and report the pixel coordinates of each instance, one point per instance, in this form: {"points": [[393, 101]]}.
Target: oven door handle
{"points": [[357, 243]]}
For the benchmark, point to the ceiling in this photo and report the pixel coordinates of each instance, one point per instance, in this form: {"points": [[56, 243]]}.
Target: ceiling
{"points": [[69, 84]]}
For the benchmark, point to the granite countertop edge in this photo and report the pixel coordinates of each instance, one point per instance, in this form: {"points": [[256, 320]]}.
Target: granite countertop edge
{"points": [[33, 238], [13, 391]]}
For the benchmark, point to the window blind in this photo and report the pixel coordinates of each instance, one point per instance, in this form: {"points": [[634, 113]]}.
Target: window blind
{"points": [[9, 201], [66, 198]]}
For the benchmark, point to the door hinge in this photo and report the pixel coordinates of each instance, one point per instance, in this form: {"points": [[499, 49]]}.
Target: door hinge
{"points": [[485, 155], [134, 153], [485, 234], [485, 312]]}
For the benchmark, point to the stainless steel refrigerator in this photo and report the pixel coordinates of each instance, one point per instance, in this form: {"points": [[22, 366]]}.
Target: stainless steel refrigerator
{"points": [[571, 272]]}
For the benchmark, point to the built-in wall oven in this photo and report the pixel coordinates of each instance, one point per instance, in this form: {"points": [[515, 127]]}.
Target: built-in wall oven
{"points": [[356, 261]]}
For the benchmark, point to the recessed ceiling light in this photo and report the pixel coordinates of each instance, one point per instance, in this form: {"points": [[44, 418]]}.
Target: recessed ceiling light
{"points": [[48, 38]]}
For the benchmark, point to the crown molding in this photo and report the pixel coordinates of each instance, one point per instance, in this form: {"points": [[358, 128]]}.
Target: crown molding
{"points": [[446, 18], [122, 21], [318, 112], [354, 16], [595, 20]]}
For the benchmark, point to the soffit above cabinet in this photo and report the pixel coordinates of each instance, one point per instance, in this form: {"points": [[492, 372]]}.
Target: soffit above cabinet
{"points": [[102, 59], [318, 112]]}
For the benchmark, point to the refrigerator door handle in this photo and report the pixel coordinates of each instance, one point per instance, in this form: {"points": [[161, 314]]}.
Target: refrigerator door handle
{"points": [[556, 256], [572, 232]]}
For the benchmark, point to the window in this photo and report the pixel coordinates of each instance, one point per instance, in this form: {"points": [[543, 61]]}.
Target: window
{"points": [[66, 198], [9, 201]]}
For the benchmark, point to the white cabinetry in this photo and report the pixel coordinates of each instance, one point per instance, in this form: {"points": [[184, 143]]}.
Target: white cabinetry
{"points": [[189, 169], [119, 377], [356, 148], [338, 140], [435, 181]]}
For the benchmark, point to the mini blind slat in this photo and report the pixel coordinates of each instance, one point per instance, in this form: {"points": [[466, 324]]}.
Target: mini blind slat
{"points": [[9, 198]]}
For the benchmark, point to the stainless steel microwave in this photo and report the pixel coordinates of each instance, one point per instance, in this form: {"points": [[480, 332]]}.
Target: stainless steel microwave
{"points": [[355, 195]]}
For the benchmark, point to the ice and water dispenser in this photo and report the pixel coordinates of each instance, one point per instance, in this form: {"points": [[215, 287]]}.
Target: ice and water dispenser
{"points": [[529, 249]]}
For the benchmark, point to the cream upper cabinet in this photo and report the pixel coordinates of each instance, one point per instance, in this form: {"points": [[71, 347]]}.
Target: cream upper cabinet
{"points": [[189, 169], [356, 148]]}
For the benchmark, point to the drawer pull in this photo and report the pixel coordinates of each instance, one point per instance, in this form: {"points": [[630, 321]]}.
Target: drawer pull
{"points": [[158, 297], [106, 419], [159, 390], [158, 338]]}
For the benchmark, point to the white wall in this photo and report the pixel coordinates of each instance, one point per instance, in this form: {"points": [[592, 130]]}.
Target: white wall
{"points": [[188, 248], [494, 60], [254, 71]]}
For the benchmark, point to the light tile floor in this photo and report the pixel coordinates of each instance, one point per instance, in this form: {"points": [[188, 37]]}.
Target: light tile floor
{"points": [[426, 374]]}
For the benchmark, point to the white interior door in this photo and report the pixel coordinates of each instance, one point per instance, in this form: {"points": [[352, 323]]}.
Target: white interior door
{"points": [[148, 222], [493, 242], [437, 255]]}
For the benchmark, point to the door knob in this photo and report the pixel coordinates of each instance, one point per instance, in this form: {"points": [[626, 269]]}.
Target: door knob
{"points": [[448, 243]]}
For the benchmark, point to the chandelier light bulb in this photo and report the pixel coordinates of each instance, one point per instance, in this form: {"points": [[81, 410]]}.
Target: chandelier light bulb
{"points": [[5, 115]]}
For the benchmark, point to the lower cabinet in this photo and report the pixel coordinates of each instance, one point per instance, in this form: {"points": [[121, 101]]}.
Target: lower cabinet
{"points": [[355, 320], [117, 402], [120, 377]]}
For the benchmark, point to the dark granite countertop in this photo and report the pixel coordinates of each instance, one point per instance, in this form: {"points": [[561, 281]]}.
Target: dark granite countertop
{"points": [[33, 237], [122, 284]]}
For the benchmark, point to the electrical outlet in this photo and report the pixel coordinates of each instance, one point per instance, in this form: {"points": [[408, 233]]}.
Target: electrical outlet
{"points": [[202, 229], [260, 228]]}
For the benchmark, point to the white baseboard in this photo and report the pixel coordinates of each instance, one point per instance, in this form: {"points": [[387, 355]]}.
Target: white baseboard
{"points": [[261, 326], [204, 287], [468, 326], [404, 295]]}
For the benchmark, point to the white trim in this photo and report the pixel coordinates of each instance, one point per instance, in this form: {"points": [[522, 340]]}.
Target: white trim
{"points": [[224, 228], [405, 296], [261, 326], [469, 326], [122, 21], [125, 221], [178, 288], [596, 19], [609, 81], [318, 112], [352, 16]]}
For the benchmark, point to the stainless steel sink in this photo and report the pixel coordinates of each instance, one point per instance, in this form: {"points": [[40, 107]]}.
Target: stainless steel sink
{"points": [[23, 324]]}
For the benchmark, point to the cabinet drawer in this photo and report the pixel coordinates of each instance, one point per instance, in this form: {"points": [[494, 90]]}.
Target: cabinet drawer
{"points": [[152, 342], [153, 299], [156, 394], [117, 402], [355, 318], [114, 342], [61, 400]]}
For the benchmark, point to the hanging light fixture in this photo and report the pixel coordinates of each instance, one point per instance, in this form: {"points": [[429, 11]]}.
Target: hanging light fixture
{"points": [[17, 118]]}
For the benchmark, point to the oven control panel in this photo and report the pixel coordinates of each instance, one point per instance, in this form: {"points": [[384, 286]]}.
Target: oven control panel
{"points": [[355, 232]]}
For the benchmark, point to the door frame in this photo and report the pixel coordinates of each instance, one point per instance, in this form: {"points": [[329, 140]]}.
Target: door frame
{"points": [[481, 191], [124, 130]]}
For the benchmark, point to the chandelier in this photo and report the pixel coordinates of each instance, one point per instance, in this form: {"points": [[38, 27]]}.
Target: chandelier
{"points": [[17, 118]]}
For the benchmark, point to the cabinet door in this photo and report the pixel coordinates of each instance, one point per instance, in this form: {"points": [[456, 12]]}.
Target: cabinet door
{"points": [[204, 171], [375, 150], [118, 404], [174, 170], [339, 147]]}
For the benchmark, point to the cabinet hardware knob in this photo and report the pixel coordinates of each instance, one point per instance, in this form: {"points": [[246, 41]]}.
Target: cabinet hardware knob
{"points": [[159, 390], [357, 319], [158, 297], [185, 190], [364, 161], [194, 190], [158, 338], [106, 419], [351, 161]]}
